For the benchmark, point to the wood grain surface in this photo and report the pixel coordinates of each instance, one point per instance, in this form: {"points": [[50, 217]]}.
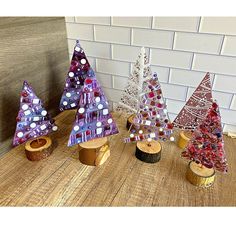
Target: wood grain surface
{"points": [[123, 180], [32, 49]]}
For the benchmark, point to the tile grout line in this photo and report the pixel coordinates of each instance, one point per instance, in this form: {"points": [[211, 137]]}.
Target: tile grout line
{"points": [[155, 29], [221, 46], [158, 48]]}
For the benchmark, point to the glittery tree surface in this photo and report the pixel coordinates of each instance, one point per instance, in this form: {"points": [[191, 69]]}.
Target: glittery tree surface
{"points": [[33, 120], [93, 119], [207, 145], [130, 97], [79, 70], [196, 107], [151, 118]]}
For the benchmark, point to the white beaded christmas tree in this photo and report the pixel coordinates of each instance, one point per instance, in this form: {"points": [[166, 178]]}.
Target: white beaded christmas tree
{"points": [[141, 72], [151, 119]]}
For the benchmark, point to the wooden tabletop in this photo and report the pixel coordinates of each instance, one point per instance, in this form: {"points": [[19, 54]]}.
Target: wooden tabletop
{"points": [[123, 180]]}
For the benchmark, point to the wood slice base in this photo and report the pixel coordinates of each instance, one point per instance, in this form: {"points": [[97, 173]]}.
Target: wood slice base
{"points": [[130, 121], [38, 149], [94, 152], [184, 138], [149, 152], [199, 175]]}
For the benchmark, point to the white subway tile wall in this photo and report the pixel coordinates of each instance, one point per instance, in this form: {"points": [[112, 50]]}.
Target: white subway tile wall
{"points": [[181, 51]]}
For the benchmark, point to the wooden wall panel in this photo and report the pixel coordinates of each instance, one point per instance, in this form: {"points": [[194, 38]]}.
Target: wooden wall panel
{"points": [[32, 49]]}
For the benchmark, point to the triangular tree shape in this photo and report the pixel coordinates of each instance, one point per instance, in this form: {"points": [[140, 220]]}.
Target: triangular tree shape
{"points": [[151, 118], [93, 119], [79, 70], [130, 97], [196, 107], [207, 145], [33, 120]]}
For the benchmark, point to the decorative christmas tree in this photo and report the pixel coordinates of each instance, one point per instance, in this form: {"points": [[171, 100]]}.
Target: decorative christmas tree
{"points": [[207, 146], [33, 120], [93, 119], [141, 72], [79, 70], [151, 117], [196, 107]]}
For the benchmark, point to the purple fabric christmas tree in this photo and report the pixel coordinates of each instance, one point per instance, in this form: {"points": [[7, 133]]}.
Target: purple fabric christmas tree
{"points": [[93, 119], [32, 120], [79, 70]]}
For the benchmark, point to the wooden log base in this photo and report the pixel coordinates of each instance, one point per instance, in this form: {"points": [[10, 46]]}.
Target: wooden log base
{"points": [[184, 138], [94, 152], [199, 175], [149, 152], [38, 149], [130, 121]]}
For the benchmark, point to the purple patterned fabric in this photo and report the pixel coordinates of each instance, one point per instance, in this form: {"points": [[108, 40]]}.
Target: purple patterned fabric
{"points": [[32, 120], [79, 70], [93, 119]]}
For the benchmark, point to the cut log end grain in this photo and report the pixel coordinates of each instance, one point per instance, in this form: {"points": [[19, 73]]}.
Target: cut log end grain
{"points": [[38, 149], [199, 175], [184, 138], [130, 121], [149, 152], [94, 152]]}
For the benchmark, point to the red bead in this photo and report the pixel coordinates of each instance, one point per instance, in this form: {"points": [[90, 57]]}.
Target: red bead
{"points": [[88, 81], [88, 132], [152, 103], [96, 94], [159, 105], [24, 94], [170, 126], [161, 133], [151, 95]]}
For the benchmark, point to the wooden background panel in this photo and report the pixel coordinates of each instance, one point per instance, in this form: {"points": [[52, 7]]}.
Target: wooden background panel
{"points": [[32, 49]]}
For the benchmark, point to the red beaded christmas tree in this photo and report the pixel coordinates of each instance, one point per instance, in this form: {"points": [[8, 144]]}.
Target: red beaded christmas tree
{"points": [[207, 146], [196, 107], [151, 117]]}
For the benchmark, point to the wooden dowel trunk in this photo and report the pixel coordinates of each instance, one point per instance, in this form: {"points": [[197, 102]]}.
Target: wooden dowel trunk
{"points": [[94, 152], [184, 137], [149, 152], [199, 175], [39, 148]]}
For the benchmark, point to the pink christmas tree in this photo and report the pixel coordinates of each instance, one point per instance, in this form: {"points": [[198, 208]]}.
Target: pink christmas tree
{"points": [[93, 119], [33, 120], [79, 70], [207, 145], [196, 107], [151, 119]]}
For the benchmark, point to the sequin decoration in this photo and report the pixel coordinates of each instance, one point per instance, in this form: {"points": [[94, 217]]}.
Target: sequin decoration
{"points": [[196, 107], [207, 145], [33, 120], [93, 119], [130, 97], [79, 70], [151, 117]]}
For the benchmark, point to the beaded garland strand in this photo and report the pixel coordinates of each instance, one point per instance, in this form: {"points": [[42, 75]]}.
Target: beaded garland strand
{"points": [[207, 145], [33, 120]]}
